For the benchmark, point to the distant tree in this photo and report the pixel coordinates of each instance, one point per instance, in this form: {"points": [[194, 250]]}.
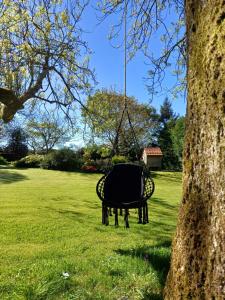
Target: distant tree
{"points": [[105, 110], [41, 55], [80, 152], [168, 120], [6, 130], [16, 147], [166, 112], [45, 132]]}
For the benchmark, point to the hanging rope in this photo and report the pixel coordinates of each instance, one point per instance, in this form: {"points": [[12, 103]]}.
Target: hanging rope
{"points": [[125, 110], [125, 56]]}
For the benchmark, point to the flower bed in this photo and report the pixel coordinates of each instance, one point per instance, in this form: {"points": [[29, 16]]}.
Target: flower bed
{"points": [[89, 168]]}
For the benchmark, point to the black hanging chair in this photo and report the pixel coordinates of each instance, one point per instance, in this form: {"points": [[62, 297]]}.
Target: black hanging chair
{"points": [[125, 187]]}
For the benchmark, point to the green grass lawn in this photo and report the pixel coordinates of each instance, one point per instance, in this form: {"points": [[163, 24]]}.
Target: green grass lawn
{"points": [[51, 224]]}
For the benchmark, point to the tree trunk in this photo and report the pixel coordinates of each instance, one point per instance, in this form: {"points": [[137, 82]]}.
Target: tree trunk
{"points": [[198, 256]]}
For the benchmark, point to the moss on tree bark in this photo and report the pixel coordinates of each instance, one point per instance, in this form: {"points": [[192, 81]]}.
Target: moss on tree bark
{"points": [[198, 257]]}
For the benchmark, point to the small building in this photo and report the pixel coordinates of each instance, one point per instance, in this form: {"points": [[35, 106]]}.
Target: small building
{"points": [[152, 157]]}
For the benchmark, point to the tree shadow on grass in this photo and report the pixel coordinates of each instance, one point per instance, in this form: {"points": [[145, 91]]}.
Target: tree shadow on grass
{"points": [[70, 214], [80, 172], [10, 177], [158, 257], [164, 204], [168, 176]]}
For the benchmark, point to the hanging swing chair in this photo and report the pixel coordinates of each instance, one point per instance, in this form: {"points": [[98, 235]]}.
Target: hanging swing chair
{"points": [[127, 186]]}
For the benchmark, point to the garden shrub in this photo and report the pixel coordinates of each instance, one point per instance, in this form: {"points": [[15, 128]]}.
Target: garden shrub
{"points": [[103, 165], [117, 159], [63, 159], [3, 161], [95, 152], [89, 162], [30, 161]]}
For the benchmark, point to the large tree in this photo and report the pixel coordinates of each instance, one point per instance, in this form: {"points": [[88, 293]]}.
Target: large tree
{"points": [[104, 117], [198, 262], [43, 57], [177, 135]]}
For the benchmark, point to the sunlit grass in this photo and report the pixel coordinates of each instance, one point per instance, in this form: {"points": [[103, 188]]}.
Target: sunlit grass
{"points": [[51, 224]]}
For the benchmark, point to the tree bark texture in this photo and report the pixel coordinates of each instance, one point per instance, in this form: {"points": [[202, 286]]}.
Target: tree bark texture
{"points": [[198, 256]]}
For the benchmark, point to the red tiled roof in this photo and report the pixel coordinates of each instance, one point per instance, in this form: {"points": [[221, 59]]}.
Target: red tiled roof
{"points": [[153, 151]]}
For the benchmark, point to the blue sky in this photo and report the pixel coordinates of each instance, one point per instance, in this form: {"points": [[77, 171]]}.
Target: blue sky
{"points": [[109, 63]]}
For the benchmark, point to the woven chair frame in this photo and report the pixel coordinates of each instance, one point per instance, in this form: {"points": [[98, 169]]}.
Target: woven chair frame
{"points": [[149, 188]]}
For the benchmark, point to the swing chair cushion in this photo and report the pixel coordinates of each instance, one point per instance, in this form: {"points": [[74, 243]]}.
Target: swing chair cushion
{"points": [[123, 186]]}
